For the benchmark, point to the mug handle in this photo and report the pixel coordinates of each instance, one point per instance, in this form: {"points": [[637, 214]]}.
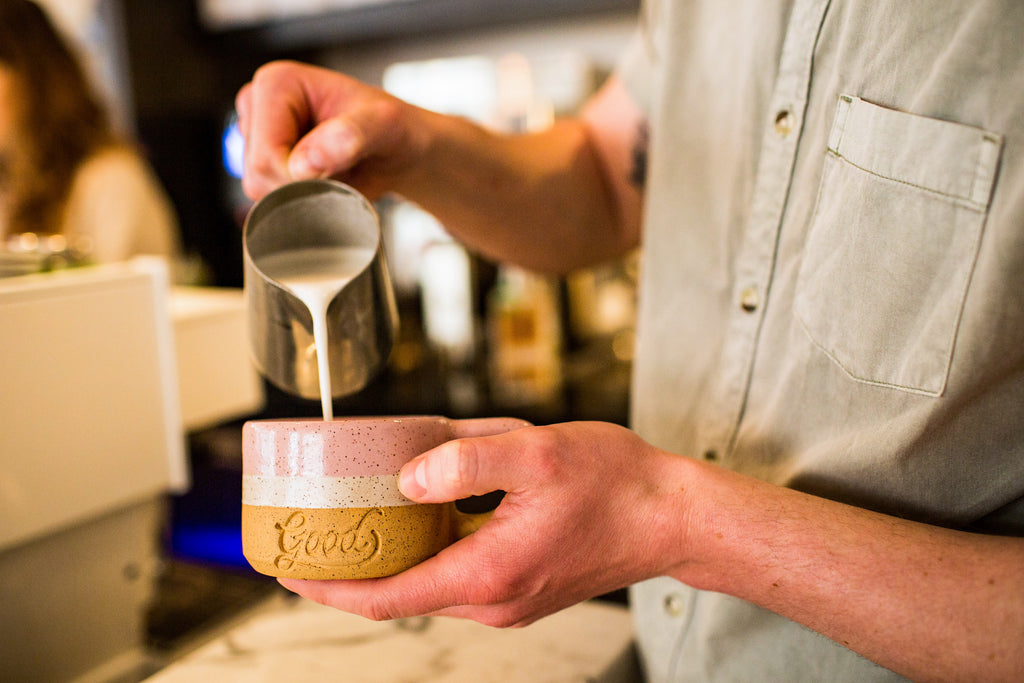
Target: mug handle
{"points": [[465, 523]]}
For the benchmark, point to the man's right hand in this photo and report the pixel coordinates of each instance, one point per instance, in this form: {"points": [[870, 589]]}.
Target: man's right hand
{"points": [[301, 121], [550, 200]]}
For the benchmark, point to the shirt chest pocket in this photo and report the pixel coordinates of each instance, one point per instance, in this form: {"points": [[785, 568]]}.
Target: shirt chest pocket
{"points": [[893, 241]]}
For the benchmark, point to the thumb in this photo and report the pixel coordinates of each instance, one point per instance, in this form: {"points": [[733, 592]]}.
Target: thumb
{"points": [[459, 469], [332, 147], [366, 122]]}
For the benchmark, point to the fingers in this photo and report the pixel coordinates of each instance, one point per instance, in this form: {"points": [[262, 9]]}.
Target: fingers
{"points": [[303, 122], [242, 106], [270, 110], [472, 467], [437, 586]]}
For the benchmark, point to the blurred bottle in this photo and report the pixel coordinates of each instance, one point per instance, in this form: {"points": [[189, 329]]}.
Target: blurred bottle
{"points": [[525, 338]]}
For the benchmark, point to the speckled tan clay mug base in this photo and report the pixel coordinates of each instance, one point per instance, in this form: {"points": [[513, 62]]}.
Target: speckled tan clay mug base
{"points": [[320, 499], [350, 543]]}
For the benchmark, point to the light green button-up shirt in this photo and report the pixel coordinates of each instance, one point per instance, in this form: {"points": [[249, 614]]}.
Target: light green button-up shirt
{"points": [[832, 294]]}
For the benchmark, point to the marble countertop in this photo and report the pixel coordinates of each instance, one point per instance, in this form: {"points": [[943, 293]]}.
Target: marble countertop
{"points": [[295, 640]]}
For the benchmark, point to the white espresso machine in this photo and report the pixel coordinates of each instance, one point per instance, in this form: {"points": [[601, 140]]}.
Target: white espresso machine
{"points": [[103, 370]]}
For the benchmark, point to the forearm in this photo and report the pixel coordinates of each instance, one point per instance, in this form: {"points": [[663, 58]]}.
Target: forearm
{"points": [[540, 200], [552, 200], [927, 602]]}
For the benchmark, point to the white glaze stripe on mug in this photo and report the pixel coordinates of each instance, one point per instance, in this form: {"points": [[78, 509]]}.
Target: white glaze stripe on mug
{"points": [[323, 492]]}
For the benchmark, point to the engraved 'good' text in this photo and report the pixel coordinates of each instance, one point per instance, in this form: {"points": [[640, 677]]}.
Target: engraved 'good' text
{"points": [[304, 546]]}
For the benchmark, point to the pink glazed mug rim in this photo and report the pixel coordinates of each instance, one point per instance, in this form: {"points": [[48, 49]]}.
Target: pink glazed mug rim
{"points": [[342, 448]]}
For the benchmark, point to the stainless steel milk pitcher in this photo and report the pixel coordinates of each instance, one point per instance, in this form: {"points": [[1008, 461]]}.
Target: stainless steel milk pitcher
{"points": [[362, 318]]}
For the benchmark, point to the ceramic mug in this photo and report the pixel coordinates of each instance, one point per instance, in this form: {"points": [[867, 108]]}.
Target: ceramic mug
{"points": [[320, 499]]}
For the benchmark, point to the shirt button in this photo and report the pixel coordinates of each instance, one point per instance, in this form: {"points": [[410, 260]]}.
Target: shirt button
{"points": [[750, 299], [674, 604], [784, 122]]}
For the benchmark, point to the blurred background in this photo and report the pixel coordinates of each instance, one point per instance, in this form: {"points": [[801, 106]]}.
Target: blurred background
{"points": [[489, 336], [476, 339]]}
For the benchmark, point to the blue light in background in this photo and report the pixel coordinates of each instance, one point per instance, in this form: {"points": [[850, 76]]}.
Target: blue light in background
{"points": [[233, 148], [214, 543]]}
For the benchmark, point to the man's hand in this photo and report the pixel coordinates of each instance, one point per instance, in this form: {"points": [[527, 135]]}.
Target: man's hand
{"points": [[302, 121], [591, 507], [552, 200], [584, 514]]}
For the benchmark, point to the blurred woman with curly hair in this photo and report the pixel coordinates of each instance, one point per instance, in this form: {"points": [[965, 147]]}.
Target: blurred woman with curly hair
{"points": [[63, 169]]}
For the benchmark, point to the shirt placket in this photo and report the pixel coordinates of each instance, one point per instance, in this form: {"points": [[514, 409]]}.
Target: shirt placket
{"points": [[755, 261]]}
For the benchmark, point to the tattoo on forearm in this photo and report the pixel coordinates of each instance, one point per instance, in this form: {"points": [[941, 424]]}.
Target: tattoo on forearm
{"points": [[638, 172]]}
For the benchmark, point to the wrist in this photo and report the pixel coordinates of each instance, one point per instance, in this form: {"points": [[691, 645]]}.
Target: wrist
{"points": [[713, 515], [443, 158], [681, 524]]}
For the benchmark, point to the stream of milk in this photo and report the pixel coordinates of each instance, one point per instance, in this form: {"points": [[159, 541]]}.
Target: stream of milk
{"points": [[315, 276]]}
